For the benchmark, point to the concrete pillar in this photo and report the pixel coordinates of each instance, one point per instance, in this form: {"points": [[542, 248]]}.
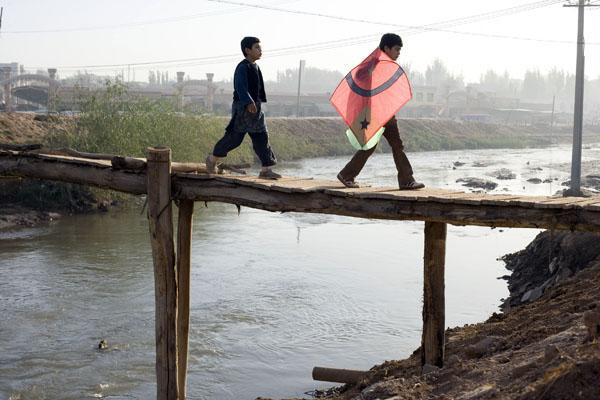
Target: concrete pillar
{"points": [[52, 95], [210, 92], [179, 87], [6, 75]]}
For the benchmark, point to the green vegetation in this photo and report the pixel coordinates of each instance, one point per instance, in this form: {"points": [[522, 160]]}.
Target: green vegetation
{"points": [[112, 121]]}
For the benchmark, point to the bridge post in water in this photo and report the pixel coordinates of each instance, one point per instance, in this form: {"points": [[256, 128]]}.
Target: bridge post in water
{"points": [[160, 218], [434, 260], [184, 246]]}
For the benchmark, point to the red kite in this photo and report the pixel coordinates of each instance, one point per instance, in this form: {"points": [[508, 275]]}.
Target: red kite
{"points": [[369, 96]]}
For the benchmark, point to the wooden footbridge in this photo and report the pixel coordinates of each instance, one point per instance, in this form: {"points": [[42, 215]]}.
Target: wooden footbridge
{"points": [[165, 182]]}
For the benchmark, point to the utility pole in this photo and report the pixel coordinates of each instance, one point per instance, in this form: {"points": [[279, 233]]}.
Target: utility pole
{"points": [[575, 189], [553, 108], [302, 62]]}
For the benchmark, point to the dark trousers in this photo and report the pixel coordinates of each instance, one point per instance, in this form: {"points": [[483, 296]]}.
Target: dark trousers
{"points": [[260, 144], [392, 135], [243, 122]]}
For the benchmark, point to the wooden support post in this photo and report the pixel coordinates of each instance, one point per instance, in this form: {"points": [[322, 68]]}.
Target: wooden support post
{"points": [[160, 217], [184, 246], [432, 341]]}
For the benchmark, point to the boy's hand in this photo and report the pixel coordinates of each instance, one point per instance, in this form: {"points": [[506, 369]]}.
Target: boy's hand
{"points": [[251, 108]]}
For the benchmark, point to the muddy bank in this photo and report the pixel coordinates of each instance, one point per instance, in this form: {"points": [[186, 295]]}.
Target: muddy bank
{"points": [[14, 216], [548, 261], [539, 350]]}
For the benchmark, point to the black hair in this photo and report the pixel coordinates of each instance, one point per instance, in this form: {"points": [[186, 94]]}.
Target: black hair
{"points": [[248, 42], [390, 40]]}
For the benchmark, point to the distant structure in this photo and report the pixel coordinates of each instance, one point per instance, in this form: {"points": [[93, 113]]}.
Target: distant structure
{"points": [[43, 91], [22, 92], [198, 90]]}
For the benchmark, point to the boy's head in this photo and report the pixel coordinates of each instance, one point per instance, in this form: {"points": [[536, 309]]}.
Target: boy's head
{"points": [[391, 44], [251, 48]]}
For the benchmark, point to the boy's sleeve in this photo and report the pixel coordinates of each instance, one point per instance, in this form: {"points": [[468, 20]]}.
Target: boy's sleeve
{"points": [[240, 84]]}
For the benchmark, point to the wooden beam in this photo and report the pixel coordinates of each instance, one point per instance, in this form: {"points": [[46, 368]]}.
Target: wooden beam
{"points": [[19, 147], [432, 340], [32, 166], [165, 280], [184, 246], [272, 199], [527, 212]]}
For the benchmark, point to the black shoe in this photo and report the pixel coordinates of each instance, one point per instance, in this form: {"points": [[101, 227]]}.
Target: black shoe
{"points": [[414, 185]]}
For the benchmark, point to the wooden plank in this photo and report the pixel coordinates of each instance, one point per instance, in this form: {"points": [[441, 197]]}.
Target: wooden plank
{"points": [[499, 200], [189, 175], [243, 181], [362, 192], [305, 185], [434, 322], [459, 198], [76, 160], [184, 248], [591, 202], [527, 201], [165, 279], [560, 202], [392, 193]]}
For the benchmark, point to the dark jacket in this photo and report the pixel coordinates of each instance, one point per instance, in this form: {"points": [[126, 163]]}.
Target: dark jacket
{"points": [[248, 84]]}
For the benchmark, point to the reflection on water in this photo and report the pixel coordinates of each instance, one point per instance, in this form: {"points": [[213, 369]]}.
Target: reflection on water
{"points": [[272, 294]]}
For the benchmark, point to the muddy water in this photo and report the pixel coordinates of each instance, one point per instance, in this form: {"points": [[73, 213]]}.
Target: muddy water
{"points": [[272, 294]]}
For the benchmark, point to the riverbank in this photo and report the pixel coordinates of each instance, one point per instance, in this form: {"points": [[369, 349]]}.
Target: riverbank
{"points": [[104, 129], [293, 138], [262, 318], [539, 348]]}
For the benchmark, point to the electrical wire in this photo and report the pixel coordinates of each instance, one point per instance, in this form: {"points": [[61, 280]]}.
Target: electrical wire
{"points": [[453, 22], [327, 45], [137, 24]]}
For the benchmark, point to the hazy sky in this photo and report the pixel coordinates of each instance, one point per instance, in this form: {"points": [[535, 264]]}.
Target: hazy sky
{"points": [[72, 33]]}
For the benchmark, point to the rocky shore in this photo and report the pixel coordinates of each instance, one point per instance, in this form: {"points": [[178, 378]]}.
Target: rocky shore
{"points": [[547, 262]]}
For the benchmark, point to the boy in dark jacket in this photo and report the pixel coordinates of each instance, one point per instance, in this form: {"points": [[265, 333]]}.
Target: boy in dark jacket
{"points": [[246, 113]]}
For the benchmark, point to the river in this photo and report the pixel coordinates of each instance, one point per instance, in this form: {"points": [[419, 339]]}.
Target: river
{"points": [[272, 294]]}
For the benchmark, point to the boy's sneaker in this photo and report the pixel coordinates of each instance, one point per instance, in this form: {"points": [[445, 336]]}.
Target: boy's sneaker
{"points": [[211, 165], [269, 174]]}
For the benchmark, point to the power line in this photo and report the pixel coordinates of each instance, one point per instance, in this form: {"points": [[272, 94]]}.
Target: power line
{"points": [[158, 21], [330, 44], [300, 49], [453, 22]]}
